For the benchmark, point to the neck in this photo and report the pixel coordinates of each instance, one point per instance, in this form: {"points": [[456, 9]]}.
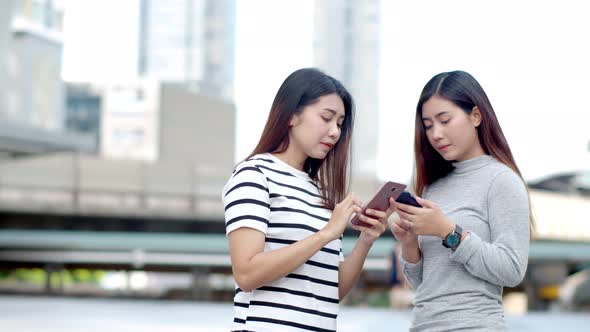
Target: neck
{"points": [[476, 152], [292, 158]]}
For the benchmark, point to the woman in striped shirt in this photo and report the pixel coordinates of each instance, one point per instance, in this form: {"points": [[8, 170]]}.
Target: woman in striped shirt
{"points": [[286, 209]]}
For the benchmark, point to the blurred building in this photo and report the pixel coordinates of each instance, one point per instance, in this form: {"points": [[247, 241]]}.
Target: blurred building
{"points": [[150, 120], [346, 46], [83, 107], [33, 65], [31, 90], [190, 42]]}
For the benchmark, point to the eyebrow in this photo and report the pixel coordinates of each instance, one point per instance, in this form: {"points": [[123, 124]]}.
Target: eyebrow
{"points": [[436, 116], [334, 112]]}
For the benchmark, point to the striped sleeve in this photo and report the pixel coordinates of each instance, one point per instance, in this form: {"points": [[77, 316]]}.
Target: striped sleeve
{"points": [[246, 199]]}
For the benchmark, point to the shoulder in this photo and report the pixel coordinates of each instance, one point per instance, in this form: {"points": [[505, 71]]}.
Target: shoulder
{"points": [[501, 174], [248, 172], [506, 182]]}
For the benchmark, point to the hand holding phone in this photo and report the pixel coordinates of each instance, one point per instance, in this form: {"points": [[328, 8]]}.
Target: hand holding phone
{"points": [[380, 201], [407, 198]]}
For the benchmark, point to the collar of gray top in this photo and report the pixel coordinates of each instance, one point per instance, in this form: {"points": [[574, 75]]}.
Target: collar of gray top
{"points": [[473, 164]]}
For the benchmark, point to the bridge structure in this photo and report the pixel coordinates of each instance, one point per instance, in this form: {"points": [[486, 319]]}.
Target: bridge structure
{"points": [[70, 210]]}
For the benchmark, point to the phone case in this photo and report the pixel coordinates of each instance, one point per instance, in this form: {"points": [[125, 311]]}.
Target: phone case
{"points": [[407, 198], [380, 201]]}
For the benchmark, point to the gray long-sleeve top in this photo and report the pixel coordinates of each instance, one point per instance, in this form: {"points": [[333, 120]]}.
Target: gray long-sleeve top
{"points": [[463, 289]]}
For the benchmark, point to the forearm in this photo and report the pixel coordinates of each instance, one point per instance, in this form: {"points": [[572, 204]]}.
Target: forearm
{"points": [[502, 259], [266, 267], [500, 263], [411, 252], [351, 268], [411, 262]]}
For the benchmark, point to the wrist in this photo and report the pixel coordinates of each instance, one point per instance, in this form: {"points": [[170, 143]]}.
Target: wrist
{"points": [[410, 244], [447, 228], [366, 240], [325, 236]]}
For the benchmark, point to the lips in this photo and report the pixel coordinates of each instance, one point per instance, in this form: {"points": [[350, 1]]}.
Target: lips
{"points": [[328, 145], [443, 148]]}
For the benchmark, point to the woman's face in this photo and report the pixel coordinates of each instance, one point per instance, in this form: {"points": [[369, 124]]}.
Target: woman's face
{"points": [[450, 130], [315, 130]]}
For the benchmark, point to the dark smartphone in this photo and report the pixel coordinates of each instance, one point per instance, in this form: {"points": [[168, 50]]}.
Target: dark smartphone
{"points": [[380, 201], [407, 198]]}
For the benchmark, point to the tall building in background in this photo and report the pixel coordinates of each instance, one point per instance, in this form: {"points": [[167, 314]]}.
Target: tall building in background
{"points": [[346, 46], [31, 89], [189, 41], [33, 65], [153, 121], [5, 35]]}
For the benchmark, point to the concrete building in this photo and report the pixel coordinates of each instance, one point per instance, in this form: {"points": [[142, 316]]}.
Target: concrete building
{"points": [[33, 66], [346, 46], [83, 107], [149, 120], [190, 42], [31, 90]]}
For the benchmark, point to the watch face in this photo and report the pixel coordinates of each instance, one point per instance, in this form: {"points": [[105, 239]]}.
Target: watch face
{"points": [[453, 240]]}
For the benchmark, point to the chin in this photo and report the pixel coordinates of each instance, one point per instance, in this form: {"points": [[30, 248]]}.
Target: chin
{"points": [[451, 157], [318, 154]]}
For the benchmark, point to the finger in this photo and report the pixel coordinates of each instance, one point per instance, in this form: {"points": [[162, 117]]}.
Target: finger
{"points": [[369, 220], [357, 201], [397, 231], [380, 227], [404, 215], [349, 197], [354, 211], [408, 208], [391, 207], [376, 213], [404, 224], [369, 230], [355, 198], [425, 202], [400, 206]]}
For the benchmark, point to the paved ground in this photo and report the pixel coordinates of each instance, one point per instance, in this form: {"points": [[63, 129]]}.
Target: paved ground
{"points": [[52, 314]]}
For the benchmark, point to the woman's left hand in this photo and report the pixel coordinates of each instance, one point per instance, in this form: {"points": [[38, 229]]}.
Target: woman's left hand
{"points": [[427, 220], [377, 220]]}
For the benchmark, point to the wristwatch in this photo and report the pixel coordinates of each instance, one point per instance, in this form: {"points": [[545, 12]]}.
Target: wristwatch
{"points": [[453, 239]]}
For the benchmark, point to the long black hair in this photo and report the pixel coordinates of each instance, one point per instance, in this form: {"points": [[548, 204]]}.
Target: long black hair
{"points": [[463, 90], [302, 88]]}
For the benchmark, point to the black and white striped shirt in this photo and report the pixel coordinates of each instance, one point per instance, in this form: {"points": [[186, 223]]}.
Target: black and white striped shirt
{"points": [[266, 194]]}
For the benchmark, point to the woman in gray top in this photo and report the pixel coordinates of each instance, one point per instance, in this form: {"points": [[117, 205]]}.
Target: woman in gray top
{"points": [[471, 236]]}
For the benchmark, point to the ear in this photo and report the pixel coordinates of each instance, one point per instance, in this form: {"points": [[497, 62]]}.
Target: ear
{"points": [[475, 116], [294, 120]]}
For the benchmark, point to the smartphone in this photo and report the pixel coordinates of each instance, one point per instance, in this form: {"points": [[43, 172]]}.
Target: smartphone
{"points": [[380, 201], [407, 198]]}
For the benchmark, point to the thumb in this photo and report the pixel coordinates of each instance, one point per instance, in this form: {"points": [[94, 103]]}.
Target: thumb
{"points": [[425, 202]]}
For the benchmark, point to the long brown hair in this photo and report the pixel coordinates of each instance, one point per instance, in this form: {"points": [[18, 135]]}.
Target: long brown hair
{"points": [[304, 87], [463, 90]]}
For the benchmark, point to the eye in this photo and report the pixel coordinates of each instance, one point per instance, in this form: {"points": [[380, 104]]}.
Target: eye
{"points": [[427, 127], [339, 125], [445, 121]]}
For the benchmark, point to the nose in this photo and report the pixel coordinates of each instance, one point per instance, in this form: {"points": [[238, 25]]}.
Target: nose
{"points": [[437, 132], [334, 131]]}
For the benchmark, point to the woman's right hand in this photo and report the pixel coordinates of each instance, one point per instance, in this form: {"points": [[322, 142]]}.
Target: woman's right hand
{"points": [[401, 229], [341, 216]]}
